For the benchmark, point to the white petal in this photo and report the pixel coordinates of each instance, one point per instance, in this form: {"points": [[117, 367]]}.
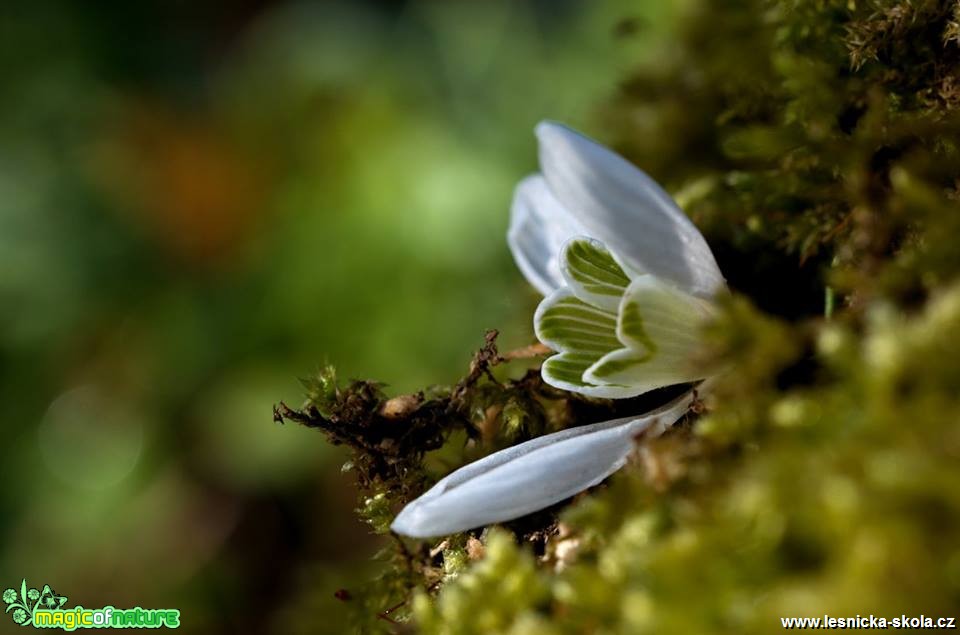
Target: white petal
{"points": [[625, 209], [530, 476], [539, 226]]}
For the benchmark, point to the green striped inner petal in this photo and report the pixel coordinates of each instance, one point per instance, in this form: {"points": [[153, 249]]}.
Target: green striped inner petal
{"points": [[618, 365], [569, 367], [592, 273], [581, 332], [660, 329], [567, 323], [633, 330]]}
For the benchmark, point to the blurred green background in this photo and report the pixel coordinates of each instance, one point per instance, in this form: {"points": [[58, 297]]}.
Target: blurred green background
{"points": [[202, 202]]}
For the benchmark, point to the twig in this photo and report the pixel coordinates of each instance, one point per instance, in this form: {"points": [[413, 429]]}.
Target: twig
{"points": [[526, 352]]}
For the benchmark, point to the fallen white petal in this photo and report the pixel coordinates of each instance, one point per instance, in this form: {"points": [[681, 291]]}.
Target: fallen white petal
{"points": [[530, 476]]}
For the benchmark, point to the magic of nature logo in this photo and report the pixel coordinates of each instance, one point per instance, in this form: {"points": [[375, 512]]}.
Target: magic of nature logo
{"points": [[44, 608]]}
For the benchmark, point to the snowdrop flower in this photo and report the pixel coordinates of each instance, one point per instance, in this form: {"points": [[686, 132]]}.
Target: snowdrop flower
{"points": [[628, 282], [627, 277]]}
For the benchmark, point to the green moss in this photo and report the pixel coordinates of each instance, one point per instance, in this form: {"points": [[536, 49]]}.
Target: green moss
{"points": [[500, 592]]}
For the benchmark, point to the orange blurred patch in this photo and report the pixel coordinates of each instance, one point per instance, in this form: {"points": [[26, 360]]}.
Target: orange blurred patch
{"points": [[190, 183]]}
